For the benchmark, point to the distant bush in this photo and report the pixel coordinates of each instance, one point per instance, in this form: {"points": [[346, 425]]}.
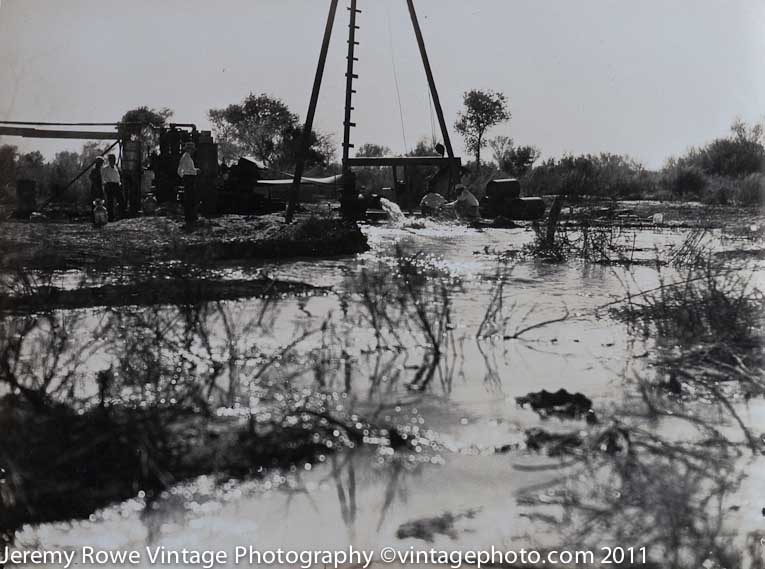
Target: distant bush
{"points": [[740, 154], [732, 157], [719, 191], [744, 192], [516, 160], [711, 304], [683, 180], [752, 191], [604, 175]]}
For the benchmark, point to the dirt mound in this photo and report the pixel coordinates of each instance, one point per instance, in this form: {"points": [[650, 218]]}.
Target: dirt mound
{"points": [[142, 240], [561, 404]]}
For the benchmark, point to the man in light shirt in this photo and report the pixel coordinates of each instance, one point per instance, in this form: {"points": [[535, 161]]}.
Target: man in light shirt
{"points": [[113, 187], [188, 173]]}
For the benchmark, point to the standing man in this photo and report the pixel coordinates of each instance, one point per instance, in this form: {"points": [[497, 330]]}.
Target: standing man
{"points": [[188, 173], [113, 187], [96, 187], [96, 182]]}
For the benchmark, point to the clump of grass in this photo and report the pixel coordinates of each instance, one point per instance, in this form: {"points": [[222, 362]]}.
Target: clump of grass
{"points": [[556, 249], [709, 340], [549, 242], [603, 244], [407, 304], [710, 304]]}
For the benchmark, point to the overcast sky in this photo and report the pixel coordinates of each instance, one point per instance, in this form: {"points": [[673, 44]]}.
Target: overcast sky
{"points": [[647, 78]]}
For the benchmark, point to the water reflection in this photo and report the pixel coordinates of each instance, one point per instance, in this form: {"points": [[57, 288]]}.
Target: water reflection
{"points": [[407, 377]]}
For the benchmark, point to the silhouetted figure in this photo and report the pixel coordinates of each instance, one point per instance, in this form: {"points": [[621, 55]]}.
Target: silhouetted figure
{"points": [[96, 181], [188, 172], [113, 188], [96, 188]]}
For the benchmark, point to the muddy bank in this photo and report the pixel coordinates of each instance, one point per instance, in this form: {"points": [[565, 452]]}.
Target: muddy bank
{"points": [[177, 291], [145, 240], [59, 464]]}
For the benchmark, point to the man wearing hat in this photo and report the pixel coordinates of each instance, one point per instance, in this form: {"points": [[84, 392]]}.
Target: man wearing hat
{"points": [[188, 173], [110, 175]]}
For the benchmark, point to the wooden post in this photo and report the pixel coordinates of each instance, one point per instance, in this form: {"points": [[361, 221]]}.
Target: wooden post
{"points": [[431, 81], [395, 183], [308, 127]]}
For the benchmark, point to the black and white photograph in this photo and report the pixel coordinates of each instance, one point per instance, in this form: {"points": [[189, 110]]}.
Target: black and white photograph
{"points": [[356, 284]]}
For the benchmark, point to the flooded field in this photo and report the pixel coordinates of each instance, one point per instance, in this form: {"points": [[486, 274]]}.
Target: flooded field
{"points": [[423, 372]]}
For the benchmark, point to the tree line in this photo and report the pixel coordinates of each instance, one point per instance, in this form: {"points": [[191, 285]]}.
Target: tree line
{"points": [[726, 170]]}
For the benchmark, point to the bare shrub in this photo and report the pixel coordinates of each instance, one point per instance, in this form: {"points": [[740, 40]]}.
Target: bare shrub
{"points": [[407, 303]]}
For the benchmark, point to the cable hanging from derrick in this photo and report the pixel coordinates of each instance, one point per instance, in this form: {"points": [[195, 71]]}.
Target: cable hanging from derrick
{"points": [[395, 79]]}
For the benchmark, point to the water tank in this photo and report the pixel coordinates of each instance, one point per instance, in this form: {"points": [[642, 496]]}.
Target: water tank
{"points": [[526, 209], [498, 196], [507, 188], [131, 156]]}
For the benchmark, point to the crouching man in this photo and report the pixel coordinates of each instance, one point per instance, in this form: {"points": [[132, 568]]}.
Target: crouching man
{"points": [[466, 205]]}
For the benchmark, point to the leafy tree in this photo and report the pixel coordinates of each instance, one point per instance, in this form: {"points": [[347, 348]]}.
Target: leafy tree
{"points": [[321, 150], [515, 160], [373, 178], [31, 166], [519, 160], [64, 167], [372, 151], [483, 110], [424, 147], [90, 150], [137, 123], [62, 170], [500, 146], [257, 126], [264, 127]]}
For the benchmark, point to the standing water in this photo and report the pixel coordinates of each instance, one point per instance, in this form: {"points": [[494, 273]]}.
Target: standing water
{"points": [[432, 335]]}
